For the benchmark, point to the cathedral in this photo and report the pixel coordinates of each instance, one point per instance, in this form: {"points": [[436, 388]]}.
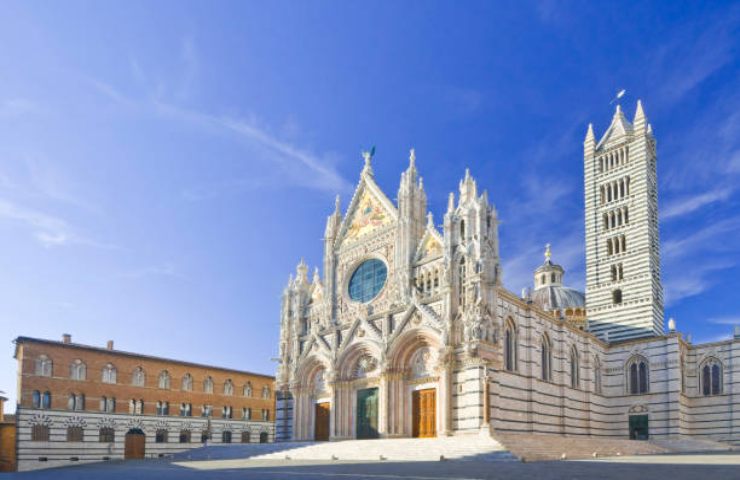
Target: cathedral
{"points": [[410, 332]]}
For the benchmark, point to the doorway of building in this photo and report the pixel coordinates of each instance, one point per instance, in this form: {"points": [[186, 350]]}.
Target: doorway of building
{"points": [[424, 413], [321, 428], [263, 437], [367, 413], [638, 427], [135, 444]]}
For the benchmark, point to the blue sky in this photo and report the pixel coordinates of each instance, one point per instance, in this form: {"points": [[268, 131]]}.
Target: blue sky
{"points": [[165, 165]]}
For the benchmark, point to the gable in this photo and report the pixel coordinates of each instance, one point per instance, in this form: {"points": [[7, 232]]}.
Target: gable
{"points": [[369, 210], [430, 247]]}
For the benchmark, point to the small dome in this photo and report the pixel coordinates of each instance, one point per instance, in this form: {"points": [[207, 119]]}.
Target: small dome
{"points": [[550, 293], [558, 298]]}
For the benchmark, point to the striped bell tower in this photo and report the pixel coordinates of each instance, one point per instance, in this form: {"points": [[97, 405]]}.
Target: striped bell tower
{"points": [[624, 293]]}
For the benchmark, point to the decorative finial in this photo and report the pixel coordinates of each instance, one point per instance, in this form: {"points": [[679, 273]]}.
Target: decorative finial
{"points": [[671, 325], [590, 132], [368, 156], [548, 253], [451, 202], [430, 219], [412, 157], [316, 278], [337, 204]]}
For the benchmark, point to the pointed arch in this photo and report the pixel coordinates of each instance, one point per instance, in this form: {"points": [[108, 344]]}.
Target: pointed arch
{"points": [[575, 368], [710, 377], [638, 375], [510, 346], [545, 358]]}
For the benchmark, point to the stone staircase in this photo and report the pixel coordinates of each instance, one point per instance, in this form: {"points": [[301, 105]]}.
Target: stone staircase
{"points": [[462, 447], [536, 447]]}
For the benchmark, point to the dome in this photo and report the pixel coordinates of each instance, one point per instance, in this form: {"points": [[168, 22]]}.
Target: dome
{"points": [[550, 294], [557, 297]]}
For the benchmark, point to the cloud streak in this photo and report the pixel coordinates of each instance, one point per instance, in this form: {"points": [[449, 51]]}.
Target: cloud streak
{"points": [[686, 205]]}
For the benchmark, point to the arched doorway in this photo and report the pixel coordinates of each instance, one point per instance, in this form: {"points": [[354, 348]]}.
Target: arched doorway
{"points": [[263, 437], [135, 444]]}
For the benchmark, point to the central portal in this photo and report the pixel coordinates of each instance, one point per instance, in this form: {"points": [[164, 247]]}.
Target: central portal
{"points": [[367, 413], [424, 413]]}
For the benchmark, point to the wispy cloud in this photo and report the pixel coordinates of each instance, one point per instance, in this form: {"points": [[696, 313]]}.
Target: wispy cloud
{"points": [[731, 320], [48, 230], [162, 270], [685, 205], [693, 281]]}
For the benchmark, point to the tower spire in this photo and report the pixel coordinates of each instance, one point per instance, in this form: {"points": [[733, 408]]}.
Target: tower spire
{"points": [[368, 156]]}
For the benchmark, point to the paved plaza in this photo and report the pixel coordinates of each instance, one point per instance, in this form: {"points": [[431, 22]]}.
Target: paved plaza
{"points": [[673, 467]]}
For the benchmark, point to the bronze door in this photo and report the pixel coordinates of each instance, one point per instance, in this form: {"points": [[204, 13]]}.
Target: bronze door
{"points": [[135, 444], [321, 428], [424, 413]]}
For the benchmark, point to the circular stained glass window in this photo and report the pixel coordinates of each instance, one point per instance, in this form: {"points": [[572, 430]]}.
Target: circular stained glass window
{"points": [[367, 280]]}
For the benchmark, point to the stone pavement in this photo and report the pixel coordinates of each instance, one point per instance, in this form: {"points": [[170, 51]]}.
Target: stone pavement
{"points": [[675, 467]]}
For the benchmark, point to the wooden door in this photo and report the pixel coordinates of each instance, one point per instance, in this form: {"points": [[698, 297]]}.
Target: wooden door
{"points": [[367, 413], [135, 445], [321, 428], [424, 413]]}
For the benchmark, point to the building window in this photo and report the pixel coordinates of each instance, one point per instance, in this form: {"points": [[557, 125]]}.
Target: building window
{"points": [[226, 412], [107, 435], [40, 433], [76, 401], [136, 407], [226, 437], [638, 376], [164, 380], [138, 378], [187, 382], [206, 411], [109, 374], [367, 280], [575, 369], [46, 400], [510, 347], [228, 387], [184, 436], [36, 399], [77, 370], [266, 392], [208, 385], [75, 434], [43, 366], [163, 408], [245, 436], [461, 290], [161, 436], [107, 404], [546, 360], [617, 296], [248, 389], [204, 436], [186, 410], [265, 415], [247, 413], [711, 377]]}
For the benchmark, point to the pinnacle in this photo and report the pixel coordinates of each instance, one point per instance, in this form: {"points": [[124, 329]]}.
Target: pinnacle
{"points": [[590, 132]]}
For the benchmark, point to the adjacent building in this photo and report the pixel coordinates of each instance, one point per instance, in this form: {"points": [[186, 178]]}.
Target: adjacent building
{"points": [[409, 331], [81, 403]]}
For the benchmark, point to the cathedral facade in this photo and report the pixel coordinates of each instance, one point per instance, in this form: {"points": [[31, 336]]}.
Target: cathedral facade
{"points": [[410, 332]]}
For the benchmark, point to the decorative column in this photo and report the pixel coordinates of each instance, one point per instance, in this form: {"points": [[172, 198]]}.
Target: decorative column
{"points": [[383, 404], [445, 392]]}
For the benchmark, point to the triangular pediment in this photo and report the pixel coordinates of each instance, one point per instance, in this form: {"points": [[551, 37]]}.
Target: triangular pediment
{"points": [[619, 128], [369, 210], [430, 246]]}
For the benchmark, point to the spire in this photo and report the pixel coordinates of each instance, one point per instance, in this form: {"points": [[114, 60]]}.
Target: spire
{"points": [[640, 120], [412, 158], [548, 253], [468, 188], [316, 279], [430, 220], [337, 206], [451, 203], [590, 134], [368, 156], [302, 272]]}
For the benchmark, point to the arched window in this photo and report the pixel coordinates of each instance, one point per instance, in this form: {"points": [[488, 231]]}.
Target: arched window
{"points": [[638, 373], [597, 375], [510, 346], [109, 374], [617, 296], [184, 436], [226, 437], [75, 434], [228, 387], [107, 404], [43, 366], [77, 370], [186, 409], [163, 408], [227, 412], [461, 275], [46, 400], [36, 399], [462, 229], [208, 385], [245, 436], [164, 380], [546, 359], [266, 392], [575, 368], [711, 377], [187, 382], [248, 389], [76, 401], [161, 436], [246, 413], [138, 378]]}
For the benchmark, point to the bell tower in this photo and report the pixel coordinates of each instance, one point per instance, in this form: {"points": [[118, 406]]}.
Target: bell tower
{"points": [[624, 293]]}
